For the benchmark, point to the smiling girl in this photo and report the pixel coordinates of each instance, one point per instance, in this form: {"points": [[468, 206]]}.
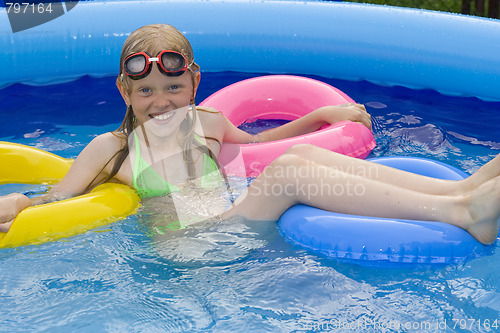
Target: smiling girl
{"points": [[166, 147]]}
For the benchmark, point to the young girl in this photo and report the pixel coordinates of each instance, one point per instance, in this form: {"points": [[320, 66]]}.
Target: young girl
{"points": [[166, 147]]}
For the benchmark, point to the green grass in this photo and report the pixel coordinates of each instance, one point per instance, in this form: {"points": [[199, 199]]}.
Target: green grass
{"points": [[441, 5]]}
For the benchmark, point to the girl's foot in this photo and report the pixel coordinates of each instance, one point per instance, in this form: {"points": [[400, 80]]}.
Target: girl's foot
{"points": [[484, 212]]}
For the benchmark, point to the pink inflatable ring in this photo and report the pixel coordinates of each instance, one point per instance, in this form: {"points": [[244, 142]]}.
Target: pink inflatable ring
{"points": [[283, 97]]}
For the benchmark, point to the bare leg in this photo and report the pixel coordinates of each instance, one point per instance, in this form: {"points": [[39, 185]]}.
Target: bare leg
{"points": [[488, 171], [281, 186], [397, 177]]}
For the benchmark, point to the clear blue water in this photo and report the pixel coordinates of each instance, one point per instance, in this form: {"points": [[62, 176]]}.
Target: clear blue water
{"points": [[240, 277]]}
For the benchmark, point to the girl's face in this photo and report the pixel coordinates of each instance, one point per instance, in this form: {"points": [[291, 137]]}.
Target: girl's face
{"points": [[160, 100]]}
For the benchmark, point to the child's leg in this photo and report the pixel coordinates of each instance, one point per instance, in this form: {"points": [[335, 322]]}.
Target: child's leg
{"points": [[400, 178], [292, 179]]}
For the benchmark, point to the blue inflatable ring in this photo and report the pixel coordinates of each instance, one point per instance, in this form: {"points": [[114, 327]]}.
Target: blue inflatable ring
{"points": [[370, 241]]}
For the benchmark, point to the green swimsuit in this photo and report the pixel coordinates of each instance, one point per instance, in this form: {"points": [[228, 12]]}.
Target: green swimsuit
{"points": [[148, 183]]}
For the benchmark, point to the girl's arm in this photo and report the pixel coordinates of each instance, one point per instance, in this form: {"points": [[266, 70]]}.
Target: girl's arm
{"points": [[313, 121], [306, 124], [87, 170], [10, 206]]}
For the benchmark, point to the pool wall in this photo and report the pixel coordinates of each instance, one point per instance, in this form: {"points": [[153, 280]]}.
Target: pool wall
{"points": [[454, 54]]}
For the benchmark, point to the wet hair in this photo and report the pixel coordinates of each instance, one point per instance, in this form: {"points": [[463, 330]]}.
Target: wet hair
{"points": [[153, 39]]}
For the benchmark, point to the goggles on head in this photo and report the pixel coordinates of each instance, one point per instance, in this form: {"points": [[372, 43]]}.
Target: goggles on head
{"points": [[170, 63]]}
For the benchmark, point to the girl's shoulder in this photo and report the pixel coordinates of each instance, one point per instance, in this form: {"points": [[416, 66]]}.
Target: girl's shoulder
{"points": [[216, 125], [208, 112], [108, 143], [210, 116], [212, 123], [111, 138]]}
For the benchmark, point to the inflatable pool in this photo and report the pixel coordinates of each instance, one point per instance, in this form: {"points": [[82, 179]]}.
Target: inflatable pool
{"points": [[453, 54], [351, 41]]}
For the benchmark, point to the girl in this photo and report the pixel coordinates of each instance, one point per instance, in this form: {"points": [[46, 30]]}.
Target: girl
{"points": [[166, 147]]}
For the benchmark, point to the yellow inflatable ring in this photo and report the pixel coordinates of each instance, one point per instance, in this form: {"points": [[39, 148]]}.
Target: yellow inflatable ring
{"points": [[105, 204]]}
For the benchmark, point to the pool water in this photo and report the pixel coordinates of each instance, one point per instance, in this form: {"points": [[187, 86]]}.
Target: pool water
{"points": [[239, 276]]}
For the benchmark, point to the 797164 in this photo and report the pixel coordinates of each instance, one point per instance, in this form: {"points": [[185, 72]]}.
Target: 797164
{"points": [[26, 7], [470, 324]]}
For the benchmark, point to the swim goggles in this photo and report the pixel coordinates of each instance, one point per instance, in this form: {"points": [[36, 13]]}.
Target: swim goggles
{"points": [[170, 63]]}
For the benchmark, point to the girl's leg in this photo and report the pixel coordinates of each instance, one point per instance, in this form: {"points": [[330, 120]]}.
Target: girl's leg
{"points": [[292, 179], [394, 176]]}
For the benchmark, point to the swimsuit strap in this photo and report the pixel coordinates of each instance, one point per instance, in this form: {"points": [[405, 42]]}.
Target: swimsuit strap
{"points": [[210, 174]]}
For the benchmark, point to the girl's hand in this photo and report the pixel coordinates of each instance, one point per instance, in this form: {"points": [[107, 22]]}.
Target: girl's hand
{"points": [[350, 111], [10, 206]]}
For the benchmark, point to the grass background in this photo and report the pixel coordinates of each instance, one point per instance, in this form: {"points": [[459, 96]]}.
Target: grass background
{"points": [[487, 8]]}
